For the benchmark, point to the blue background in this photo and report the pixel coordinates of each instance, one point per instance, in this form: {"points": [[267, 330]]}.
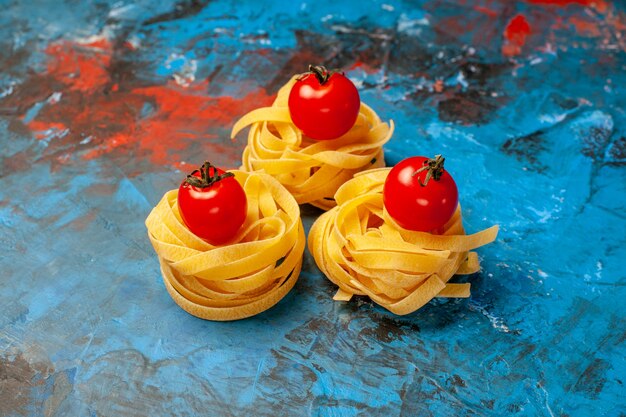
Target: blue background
{"points": [[106, 105]]}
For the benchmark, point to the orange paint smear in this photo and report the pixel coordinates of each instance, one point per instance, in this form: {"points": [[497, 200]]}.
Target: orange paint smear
{"points": [[181, 118], [80, 67], [364, 66], [486, 10], [40, 129], [599, 5], [515, 35], [585, 27], [112, 115]]}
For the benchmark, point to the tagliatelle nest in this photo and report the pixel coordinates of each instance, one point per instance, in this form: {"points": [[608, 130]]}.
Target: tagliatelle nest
{"points": [[360, 248], [240, 279], [311, 170]]}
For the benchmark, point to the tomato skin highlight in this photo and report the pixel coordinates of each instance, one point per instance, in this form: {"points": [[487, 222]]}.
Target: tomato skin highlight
{"points": [[214, 213], [415, 207], [324, 111]]}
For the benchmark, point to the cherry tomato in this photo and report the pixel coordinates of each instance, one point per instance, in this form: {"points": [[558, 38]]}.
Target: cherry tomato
{"points": [[212, 204], [323, 104], [419, 194]]}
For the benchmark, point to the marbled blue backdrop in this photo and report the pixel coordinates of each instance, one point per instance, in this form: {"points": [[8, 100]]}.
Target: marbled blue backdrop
{"points": [[105, 105]]}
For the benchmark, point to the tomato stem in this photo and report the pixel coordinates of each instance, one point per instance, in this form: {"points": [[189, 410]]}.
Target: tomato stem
{"points": [[320, 72], [434, 166], [207, 178]]}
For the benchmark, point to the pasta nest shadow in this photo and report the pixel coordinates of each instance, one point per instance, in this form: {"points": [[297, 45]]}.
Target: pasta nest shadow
{"points": [[361, 249], [311, 170], [248, 275]]}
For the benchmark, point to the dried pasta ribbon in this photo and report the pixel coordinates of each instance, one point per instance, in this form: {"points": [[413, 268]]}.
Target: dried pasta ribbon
{"points": [[310, 170], [243, 278], [361, 249]]}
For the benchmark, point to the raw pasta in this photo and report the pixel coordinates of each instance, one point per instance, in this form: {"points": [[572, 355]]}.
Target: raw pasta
{"points": [[311, 170], [243, 278], [361, 249]]}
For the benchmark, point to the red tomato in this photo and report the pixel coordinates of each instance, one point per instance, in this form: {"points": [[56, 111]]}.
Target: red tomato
{"points": [[419, 194], [323, 104], [212, 204]]}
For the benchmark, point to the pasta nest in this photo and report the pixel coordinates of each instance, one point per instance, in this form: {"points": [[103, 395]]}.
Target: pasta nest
{"points": [[361, 249], [311, 170], [240, 279]]}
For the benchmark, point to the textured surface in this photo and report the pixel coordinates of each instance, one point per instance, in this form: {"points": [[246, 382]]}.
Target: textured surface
{"points": [[105, 105]]}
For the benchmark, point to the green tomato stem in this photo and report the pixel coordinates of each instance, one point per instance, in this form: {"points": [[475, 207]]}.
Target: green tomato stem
{"points": [[320, 72], [206, 179], [434, 167]]}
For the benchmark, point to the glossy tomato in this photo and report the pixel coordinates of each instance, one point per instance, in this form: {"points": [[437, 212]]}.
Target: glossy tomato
{"points": [[212, 204], [323, 104], [419, 194]]}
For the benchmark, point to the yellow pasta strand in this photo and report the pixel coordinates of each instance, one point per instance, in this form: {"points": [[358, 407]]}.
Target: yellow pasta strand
{"points": [[243, 278], [361, 249], [312, 171]]}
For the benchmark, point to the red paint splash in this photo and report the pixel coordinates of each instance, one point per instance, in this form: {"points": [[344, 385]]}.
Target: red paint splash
{"points": [[182, 116], [485, 10], [563, 2], [79, 71], [358, 64], [585, 27], [599, 5], [101, 113], [515, 35]]}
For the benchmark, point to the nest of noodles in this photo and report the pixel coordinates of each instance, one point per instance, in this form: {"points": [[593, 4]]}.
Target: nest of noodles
{"points": [[311, 170], [361, 249], [248, 275]]}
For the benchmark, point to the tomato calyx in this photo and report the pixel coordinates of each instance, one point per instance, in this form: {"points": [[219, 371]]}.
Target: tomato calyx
{"points": [[320, 72], [434, 167], [207, 178]]}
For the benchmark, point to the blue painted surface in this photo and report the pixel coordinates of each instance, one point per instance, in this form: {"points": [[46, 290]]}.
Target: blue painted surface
{"points": [[91, 138]]}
